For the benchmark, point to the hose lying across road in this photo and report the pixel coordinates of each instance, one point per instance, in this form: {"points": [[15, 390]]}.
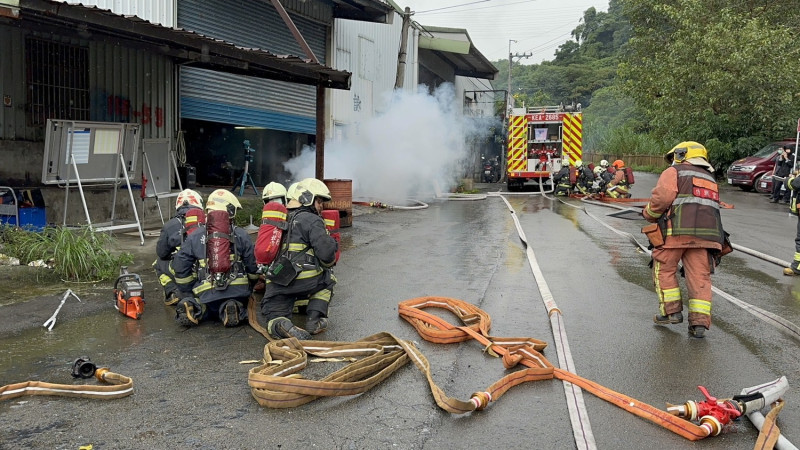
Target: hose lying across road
{"points": [[278, 384], [766, 316], [118, 386]]}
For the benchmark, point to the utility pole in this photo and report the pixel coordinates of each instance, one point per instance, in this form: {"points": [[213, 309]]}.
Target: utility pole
{"points": [[511, 57], [509, 98], [401, 57]]}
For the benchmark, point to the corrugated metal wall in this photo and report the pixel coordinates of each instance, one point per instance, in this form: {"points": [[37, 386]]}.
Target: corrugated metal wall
{"points": [[160, 12], [132, 85], [126, 85], [370, 51], [241, 100], [13, 86]]}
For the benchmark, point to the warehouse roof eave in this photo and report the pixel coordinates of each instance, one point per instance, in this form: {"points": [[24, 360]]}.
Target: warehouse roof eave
{"points": [[454, 46], [185, 47]]}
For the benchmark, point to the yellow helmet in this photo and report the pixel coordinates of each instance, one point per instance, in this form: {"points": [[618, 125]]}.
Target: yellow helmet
{"points": [[189, 197], [273, 190], [686, 150], [223, 200]]}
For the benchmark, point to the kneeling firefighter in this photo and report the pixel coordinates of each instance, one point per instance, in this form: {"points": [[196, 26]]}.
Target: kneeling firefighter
{"points": [[564, 180], [302, 269], [585, 177], [215, 267], [619, 186], [188, 216], [687, 228]]}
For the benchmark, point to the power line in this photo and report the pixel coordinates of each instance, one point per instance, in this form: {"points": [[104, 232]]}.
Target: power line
{"points": [[454, 6]]}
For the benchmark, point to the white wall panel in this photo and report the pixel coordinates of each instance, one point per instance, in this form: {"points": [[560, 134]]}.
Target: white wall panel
{"points": [[370, 52]]}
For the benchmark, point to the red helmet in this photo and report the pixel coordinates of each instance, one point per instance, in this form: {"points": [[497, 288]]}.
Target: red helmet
{"points": [[618, 164]]}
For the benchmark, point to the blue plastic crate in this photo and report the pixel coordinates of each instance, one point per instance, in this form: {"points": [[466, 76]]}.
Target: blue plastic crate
{"points": [[29, 218]]}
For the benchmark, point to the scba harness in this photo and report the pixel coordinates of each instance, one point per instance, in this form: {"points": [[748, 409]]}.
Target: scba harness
{"points": [[270, 233], [223, 265]]}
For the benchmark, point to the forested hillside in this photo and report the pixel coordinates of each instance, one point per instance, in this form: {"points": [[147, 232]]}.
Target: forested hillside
{"points": [[652, 73]]}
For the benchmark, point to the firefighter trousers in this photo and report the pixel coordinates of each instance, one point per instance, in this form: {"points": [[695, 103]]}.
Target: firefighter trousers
{"points": [[165, 277], [697, 271], [315, 292]]}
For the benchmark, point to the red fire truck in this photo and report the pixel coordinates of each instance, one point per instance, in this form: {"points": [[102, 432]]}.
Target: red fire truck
{"points": [[540, 140]]}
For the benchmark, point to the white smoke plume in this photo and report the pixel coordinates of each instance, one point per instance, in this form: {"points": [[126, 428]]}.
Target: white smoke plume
{"points": [[416, 146]]}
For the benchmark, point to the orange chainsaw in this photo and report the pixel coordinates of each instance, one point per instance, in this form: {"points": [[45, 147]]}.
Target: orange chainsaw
{"points": [[128, 294]]}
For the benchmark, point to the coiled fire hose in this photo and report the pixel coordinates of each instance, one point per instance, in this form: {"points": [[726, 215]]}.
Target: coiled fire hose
{"points": [[118, 386], [275, 384]]}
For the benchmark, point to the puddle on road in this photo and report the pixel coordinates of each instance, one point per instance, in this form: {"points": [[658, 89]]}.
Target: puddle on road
{"points": [[39, 354]]}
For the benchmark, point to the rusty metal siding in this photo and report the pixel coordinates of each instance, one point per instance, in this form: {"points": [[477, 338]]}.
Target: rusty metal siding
{"points": [[132, 85], [161, 12], [125, 85], [12, 86], [310, 9], [241, 100]]}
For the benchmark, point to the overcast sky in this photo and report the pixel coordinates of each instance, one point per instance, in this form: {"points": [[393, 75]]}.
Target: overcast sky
{"points": [[539, 26]]}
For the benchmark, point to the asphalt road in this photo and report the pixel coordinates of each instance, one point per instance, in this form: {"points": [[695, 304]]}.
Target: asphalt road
{"points": [[191, 389]]}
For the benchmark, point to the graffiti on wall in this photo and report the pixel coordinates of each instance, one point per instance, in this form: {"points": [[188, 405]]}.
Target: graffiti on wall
{"points": [[116, 108]]}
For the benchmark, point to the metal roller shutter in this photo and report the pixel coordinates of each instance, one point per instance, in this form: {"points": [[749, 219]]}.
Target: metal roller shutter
{"points": [[242, 100]]}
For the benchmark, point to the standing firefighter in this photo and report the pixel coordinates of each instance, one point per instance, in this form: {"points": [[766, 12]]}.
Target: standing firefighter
{"points": [[188, 216], [792, 183], [214, 267], [685, 206], [302, 269]]}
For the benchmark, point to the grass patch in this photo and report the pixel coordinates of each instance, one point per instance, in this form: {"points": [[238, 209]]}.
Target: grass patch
{"points": [[250, 207], [77, 254]]}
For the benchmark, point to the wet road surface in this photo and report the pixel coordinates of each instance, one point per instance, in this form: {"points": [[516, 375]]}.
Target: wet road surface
{"points": [[191, 390]]}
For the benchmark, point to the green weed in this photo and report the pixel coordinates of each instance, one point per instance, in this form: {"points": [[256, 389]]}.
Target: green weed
{"points": [[77, 254]]}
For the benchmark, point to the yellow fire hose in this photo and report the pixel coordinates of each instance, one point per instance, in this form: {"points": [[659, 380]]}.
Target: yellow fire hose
{"points": [[118, 386]]}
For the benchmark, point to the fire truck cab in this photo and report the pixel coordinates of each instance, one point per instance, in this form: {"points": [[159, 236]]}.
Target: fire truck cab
{"points": [[541, 139]]}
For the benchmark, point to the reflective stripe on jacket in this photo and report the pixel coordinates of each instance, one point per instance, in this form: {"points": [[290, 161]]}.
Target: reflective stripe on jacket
{"points": [[689, 196], [189, 267]]}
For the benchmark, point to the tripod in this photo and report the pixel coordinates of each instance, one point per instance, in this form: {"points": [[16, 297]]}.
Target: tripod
{"points": [[248, 157]]}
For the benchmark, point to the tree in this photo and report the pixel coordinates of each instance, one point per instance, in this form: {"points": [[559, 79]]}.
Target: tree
{"points": [[700, 70]]}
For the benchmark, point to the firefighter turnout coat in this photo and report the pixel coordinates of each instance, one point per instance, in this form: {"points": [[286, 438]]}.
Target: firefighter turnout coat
{"points": [[190, 268], [306, 234], [169, 241], [685, 202]]}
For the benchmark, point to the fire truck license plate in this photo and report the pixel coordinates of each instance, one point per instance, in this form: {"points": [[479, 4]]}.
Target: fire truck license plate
{"points": [[730, 181], [764, 184]]}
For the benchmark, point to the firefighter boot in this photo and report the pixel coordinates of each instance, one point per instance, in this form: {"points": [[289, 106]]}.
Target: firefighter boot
{"points": [[697, 331], [794, 268], [232, 313], [282, 328], [668, 319], [188, 312], [316, 324]]}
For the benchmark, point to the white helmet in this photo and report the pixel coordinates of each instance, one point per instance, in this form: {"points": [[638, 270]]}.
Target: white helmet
{"points": [[189, 197], [598, 170], [604, 164], [304, 192], [223, 200], [272, 191]]}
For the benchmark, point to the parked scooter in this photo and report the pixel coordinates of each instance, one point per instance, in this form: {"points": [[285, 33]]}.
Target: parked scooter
{"points": [[491, 170]]}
